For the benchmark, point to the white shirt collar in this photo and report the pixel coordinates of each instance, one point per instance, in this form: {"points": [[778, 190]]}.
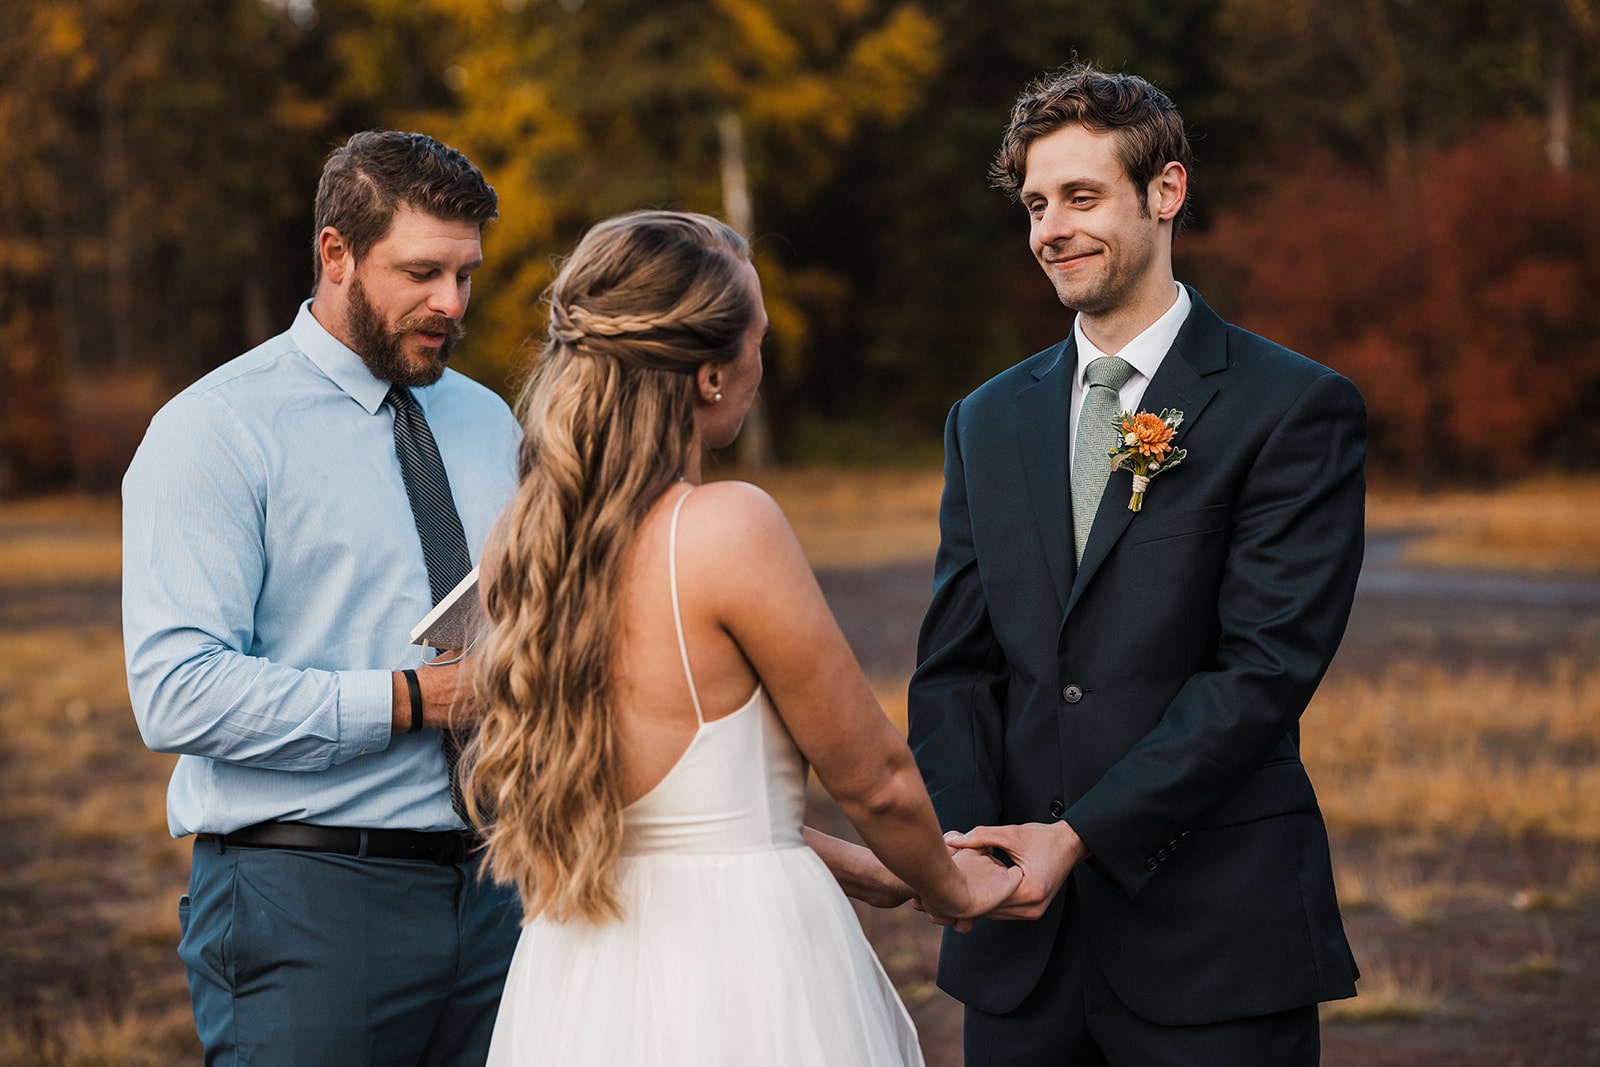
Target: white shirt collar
{"points": [[1146, 351]]}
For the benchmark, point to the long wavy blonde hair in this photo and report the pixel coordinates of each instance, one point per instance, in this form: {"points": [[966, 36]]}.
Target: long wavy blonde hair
{"points": [[642, 303]]}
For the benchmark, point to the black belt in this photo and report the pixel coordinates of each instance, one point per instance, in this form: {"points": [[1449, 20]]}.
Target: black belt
{"points": [[443, 846]]}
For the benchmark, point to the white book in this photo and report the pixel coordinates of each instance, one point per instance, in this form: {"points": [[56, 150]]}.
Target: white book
{"points": [[455, 621]]}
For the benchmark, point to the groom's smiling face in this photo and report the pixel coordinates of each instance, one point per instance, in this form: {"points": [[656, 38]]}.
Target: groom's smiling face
{"points": [[1090, 228]]}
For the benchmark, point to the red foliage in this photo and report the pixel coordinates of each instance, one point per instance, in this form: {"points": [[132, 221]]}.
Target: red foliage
{"points": [[1463, 308]]}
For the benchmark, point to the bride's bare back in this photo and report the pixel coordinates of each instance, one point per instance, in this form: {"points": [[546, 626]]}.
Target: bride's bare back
{"points": [[654, 708]]}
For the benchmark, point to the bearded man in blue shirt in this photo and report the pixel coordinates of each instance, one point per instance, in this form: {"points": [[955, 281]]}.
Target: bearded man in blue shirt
{"points": [[273, 565]]}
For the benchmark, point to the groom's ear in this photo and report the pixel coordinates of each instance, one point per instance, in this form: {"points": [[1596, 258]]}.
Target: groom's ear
{"points": [[1169, 190]]}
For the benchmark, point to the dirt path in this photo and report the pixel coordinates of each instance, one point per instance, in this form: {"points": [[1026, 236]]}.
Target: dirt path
{"points": [[1401, 614]]}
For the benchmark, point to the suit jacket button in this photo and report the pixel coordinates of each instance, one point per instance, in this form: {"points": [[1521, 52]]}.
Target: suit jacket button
{"points": [[1057, 809], [1072, 694]]}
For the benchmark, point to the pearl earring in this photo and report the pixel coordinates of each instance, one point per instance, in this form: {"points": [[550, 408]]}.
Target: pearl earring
{"points": [[717, 399]]}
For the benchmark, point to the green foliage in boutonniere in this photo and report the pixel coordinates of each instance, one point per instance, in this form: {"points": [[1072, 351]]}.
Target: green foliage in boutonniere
{"points": [[1144, 446]]}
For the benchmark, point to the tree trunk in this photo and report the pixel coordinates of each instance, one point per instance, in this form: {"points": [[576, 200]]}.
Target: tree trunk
{"points": [[754, 447], [255, 303], [1558, 132], [116, 184], [1389, 80]]}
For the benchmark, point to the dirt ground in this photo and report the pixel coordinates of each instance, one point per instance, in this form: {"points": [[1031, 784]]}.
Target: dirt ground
{"points": [[1508, 986]]}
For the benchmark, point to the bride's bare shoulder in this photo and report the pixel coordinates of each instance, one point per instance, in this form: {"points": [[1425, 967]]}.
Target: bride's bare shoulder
{"points": [[734, 500], [731, 519]]}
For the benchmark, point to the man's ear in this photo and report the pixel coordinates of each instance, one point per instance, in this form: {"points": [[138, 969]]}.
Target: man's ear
{"points": [[335, 256], [1169, 190]]}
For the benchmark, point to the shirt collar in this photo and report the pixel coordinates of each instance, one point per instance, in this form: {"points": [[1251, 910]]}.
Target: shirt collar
{"points": [[1146, 351], [346, 369]]}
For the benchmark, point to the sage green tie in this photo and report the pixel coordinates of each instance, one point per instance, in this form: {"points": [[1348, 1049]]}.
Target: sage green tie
{"points": [[1091, 460]]}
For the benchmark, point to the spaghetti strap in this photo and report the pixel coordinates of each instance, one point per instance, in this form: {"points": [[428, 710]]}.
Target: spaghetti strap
{"points": [[677, 614]]}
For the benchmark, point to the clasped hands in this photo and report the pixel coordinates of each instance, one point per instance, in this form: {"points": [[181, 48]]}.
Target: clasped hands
{"points": [[1045, 853]]}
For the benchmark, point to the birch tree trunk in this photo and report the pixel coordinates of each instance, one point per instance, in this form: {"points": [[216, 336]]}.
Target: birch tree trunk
{"points": [[754, 446], [1558, 116]]}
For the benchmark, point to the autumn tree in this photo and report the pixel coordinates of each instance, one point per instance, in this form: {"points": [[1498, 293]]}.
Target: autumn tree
{"points": [[581, 110], [944, 291], [1422, 219], [1482, 365], [153, 147], [156, 214]]}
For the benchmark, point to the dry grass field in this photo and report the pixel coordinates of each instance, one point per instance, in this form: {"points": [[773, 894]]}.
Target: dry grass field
{"points": [[88, 876], [1544, 525], [1464, 797]]}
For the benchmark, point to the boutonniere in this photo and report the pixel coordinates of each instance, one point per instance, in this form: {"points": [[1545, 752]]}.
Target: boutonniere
{"points": [[1144, 446]]}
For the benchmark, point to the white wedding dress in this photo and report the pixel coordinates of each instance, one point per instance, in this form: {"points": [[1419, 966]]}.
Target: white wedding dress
{"points": [[737, 949]]}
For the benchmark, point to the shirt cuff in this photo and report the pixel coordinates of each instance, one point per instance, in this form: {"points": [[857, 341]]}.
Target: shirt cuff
{"points": [[366, 713]]}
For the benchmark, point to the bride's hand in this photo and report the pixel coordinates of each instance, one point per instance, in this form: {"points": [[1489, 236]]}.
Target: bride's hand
{"points": [[989, 885], [859, 873], [886, 892]]}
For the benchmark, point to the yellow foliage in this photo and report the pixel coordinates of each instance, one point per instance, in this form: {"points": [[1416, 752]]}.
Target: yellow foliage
{"points": [[890, 65], [759, 38], [568, 133]]}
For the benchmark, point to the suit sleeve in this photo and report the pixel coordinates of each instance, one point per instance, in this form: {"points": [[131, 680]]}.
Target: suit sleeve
{"points": [[958, 689], [1287, 585]]}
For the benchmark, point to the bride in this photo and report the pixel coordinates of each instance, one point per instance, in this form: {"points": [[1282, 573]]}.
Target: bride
{"points": [[660, 671]]}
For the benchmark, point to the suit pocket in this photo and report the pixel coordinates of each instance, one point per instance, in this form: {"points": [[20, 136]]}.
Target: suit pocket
{"points": [[1184, 524], [1276, 788]]}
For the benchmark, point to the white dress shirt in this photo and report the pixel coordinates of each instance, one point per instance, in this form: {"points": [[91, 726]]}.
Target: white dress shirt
{"points": [[1145, 353]]}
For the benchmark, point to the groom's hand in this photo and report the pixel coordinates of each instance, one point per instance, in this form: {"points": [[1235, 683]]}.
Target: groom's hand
{"points": [[989, 881], [1046, 853]]}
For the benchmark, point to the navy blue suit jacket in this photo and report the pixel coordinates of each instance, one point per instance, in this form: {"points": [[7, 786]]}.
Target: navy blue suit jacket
{"points": [[1151, 696]]}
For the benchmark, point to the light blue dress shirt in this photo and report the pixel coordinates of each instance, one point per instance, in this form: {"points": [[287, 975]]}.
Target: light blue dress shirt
{"points": [[272, 574]]}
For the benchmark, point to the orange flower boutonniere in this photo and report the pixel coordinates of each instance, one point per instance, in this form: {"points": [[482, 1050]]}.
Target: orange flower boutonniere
{"points": [[1144, 446]]}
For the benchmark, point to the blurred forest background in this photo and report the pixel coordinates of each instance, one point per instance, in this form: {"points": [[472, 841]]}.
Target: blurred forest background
{"points": [[1408, 190]]}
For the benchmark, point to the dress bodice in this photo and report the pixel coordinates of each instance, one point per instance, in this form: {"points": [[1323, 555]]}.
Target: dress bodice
{"points": [[738, 787], [734, 944]]}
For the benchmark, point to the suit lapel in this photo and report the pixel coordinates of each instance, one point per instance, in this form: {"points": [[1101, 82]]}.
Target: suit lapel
{"points": [[1200, 349], [1042, 438]]}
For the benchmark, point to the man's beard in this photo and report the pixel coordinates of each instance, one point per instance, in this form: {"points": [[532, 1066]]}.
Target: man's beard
{"points": [[380, 346]]}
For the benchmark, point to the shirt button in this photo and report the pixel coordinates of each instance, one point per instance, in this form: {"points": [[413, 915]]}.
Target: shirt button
{"points": [[1072, 694], [1057, 809]]}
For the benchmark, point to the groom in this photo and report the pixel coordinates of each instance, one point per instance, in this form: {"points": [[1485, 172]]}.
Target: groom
{"points": [[1110, 697]]}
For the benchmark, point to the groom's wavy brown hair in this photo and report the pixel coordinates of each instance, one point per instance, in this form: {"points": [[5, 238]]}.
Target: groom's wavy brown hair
{"points": [[1145, 122], [642, 303]]}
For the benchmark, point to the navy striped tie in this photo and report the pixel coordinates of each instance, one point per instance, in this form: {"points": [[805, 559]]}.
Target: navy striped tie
{"points": [[444, 542]]}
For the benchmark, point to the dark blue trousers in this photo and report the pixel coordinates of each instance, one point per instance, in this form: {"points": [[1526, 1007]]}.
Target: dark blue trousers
{"points": [[309, 958], [1073, 1019]]}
